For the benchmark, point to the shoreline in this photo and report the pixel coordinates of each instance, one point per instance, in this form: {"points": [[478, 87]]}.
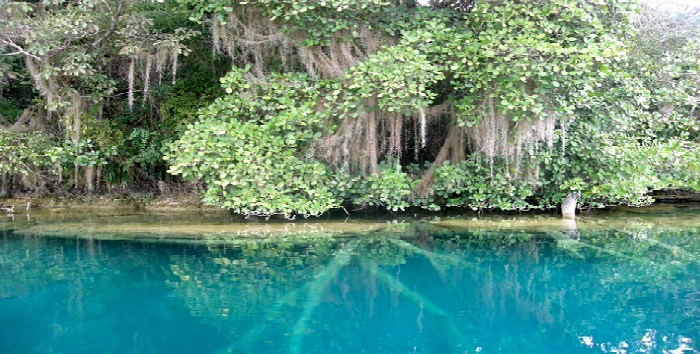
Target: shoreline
{"points": [[170, 221], [192, 203]]}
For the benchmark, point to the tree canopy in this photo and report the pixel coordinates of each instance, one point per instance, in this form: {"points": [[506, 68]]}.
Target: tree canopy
{"points": [[298, 106]]}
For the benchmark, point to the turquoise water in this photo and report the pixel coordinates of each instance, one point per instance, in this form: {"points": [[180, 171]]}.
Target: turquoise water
{"points": [[424, 289]]}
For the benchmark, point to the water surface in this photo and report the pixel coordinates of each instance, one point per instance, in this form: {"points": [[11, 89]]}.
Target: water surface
{"points": [[609, 283]]}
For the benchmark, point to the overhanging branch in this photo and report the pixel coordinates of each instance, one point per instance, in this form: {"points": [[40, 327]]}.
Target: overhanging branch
{"points": [[19, 49]]}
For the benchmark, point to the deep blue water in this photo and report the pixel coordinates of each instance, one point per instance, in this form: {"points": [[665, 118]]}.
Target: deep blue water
{"points": [[436, 291]]}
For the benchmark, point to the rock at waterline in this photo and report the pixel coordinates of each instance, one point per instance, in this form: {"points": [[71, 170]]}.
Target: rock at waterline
{"points": [[568, 206]]}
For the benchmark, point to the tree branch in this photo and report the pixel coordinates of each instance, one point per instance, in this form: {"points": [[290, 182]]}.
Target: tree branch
{"points": [[112, 26], [19, 49]]}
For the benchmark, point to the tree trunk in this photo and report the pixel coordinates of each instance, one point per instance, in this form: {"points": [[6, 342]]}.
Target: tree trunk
{"points": [[90, 179], [451, 146], [372, 142], [75, 176]]}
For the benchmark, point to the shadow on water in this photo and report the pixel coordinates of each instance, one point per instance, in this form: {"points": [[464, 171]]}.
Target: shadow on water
{"points": [[615, 282]]}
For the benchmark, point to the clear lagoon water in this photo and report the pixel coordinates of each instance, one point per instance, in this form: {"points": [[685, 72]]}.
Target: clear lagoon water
{"points": [[607, 285]]}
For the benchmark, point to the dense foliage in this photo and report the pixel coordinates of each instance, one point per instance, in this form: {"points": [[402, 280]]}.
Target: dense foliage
{"points": [[479, 104]]}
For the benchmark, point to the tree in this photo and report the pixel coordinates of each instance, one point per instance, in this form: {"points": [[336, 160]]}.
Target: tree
{"points": [[77, 55], [498, 105], [480, 104]]}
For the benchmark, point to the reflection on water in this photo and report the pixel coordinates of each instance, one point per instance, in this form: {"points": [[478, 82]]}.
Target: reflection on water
{"points": [[427, 289]]}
